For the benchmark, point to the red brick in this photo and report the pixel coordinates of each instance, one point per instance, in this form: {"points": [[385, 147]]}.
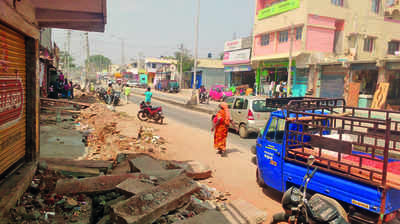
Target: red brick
{"points": [[160, 200], [92, 184]]}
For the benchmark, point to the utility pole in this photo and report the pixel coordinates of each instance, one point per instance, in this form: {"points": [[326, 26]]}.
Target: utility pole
{"points": [[87, 58], [69, 53], [289, 87], [196, 44], [181, 66]]}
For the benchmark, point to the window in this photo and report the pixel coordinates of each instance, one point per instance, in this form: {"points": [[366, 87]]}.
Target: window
{"points": [[265, 39], [283, 36], [153, 65], [240, 104], [376, 6], [229, 101], [368, 44], [393, 47], [261, 106], [337, 2], [276, 130], [299, 33]]}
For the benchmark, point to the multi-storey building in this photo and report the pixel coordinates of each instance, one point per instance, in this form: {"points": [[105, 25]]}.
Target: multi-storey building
{"points": [[332, 43], [159, 69]]}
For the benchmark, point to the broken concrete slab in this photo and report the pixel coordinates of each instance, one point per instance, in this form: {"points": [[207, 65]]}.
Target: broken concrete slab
{"points": [[133, 186], [99, 164], [207, 217], [197, 170], [164, 175], [145, 163], [12, 189], [92, 184], [242, 212], [74, 171], [148, 206]]}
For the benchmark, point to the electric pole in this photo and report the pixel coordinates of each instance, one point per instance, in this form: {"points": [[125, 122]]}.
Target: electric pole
{"points": [[289, 87], [196, 44], [87, 57], [181, 65]]}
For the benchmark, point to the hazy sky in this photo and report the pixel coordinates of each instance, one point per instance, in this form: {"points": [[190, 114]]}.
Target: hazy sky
{"points": [[157, 27]]}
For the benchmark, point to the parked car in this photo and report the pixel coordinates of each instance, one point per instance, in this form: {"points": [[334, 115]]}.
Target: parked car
{"points": [[249, 114], [219, 92], [132, 83]]}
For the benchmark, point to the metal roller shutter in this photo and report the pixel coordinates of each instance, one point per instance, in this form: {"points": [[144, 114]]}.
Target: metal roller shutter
{"points": [[12, 97], [332, 81]]}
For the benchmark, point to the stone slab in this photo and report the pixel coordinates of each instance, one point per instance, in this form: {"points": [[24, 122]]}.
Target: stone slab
{"points": [[133, 186], [148, 206], [145, 164], [74, 171], [242, 212], [14, 186], [93, 184], [207, 217]]}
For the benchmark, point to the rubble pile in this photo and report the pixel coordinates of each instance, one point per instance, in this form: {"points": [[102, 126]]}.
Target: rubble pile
{"points": [[102, 134]]}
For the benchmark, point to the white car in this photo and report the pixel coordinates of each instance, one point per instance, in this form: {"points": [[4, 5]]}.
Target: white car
{"points": [[132, 83]]}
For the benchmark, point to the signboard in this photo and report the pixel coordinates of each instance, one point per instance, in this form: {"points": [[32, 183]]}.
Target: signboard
{"points": [[233, 45], [11, 101], [278, 8], [237, 57], [240, 68], [277, 64]]}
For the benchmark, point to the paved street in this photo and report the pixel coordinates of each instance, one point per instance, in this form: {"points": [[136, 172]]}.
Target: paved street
{"points": [[196, 120]]}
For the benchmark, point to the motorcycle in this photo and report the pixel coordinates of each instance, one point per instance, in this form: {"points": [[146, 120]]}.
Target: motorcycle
{"points": [[116, 98], [101, 93], [317, 210], [204, 98], [147, 112]]}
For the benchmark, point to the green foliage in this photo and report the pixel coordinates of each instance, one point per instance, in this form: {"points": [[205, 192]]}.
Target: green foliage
{"points": [[64, 55], [187, 60]]}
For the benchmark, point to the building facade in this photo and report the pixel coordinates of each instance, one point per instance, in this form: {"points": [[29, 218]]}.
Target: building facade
{"points": [[238, 70], [209, 72], [160, 69], [332, 43]]}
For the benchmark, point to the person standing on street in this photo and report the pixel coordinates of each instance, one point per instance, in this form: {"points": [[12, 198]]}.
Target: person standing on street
{"points": [[71, 89], [127, 92], [148, 94], [220, 128]]}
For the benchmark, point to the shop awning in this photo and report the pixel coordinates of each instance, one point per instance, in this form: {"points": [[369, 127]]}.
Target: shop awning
{"points": [[85, 15]]}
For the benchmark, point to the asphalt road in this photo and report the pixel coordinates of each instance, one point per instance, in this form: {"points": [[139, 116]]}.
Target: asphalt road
{"points": [[196, 120]]}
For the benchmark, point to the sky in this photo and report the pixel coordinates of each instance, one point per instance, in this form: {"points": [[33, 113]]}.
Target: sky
{"points": [[156, 28]]}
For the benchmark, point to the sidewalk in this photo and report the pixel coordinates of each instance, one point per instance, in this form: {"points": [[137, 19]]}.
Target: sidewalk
{"points": [[180, 99]]}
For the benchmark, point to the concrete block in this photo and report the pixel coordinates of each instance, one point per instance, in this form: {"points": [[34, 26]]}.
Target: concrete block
{"points": [[207, 217], [197, 170], [164, 175], [145, 163], [148, 206], [133, 186], [242, 212], [92, 184], [74, 171]]}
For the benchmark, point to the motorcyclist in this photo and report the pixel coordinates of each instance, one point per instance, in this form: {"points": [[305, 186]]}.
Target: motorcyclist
{"points": [[203, 90], [110, 91]]}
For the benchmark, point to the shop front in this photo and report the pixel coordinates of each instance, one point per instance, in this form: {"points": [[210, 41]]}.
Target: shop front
{"points": [[367, 75], [393, 77], [332, 81], [240, 75], [269, 73]]}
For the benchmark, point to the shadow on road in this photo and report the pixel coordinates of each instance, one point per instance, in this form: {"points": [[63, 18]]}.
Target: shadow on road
{"points": [[273, 194], [229, 151]]}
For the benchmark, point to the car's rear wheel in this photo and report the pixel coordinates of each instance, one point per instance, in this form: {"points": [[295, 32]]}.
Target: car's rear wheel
{"points": [[260, 181], [243, 133]]}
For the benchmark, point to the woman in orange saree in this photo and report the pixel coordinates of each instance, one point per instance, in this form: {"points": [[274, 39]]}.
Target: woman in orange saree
{"points": [[221, 125]]}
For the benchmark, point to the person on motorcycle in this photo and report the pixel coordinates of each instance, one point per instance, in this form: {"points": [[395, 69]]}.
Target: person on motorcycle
{"points": [[203, 90], [148, 94]]}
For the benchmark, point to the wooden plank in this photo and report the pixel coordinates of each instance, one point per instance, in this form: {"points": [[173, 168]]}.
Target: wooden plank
{"points": [[331, 144], [353, 95], [65, 101], [62, 110], [380, 96], [310, 118]]}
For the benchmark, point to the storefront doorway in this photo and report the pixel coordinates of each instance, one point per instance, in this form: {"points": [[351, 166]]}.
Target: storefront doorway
{"points": [[332, 81]]}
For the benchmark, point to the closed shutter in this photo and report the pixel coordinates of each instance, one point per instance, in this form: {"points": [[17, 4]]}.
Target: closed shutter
{"points": [[332, 81], [12, 97]]}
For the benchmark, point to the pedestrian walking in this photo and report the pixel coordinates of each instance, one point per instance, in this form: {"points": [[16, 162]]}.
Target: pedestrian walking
{"points": [[71, 89], [148, 95], [220, 128], [127, 92]]}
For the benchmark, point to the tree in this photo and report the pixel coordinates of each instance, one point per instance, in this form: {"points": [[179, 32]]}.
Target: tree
{"points": [[221, 55], [70, 60], [98, 63], [187, 60]]}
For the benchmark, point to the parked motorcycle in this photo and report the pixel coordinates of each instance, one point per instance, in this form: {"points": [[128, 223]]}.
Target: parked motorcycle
{"points": [[147, 112], [204, 98], [317, 210], [116, 98], [101, 93]]}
